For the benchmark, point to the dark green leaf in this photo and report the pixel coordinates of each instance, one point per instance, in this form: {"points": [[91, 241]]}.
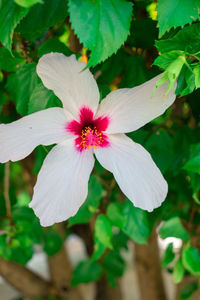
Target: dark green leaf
{"points": [[85, 272], [41, 17], [53, 45], [114, 264], [42, 98], [137, 226], [168, 256], [188, 290], [52, 242], [8, 62], [10, 16], [143, 33], [91, 204], [193, 164], [160, 145], [187, 40], [27, 80]]}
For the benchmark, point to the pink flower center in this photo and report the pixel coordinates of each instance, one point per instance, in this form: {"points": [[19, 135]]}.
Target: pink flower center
{"points": [[89, 131]]}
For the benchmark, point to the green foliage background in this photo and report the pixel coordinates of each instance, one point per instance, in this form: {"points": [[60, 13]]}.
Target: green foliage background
{"points": [[125, 43]]}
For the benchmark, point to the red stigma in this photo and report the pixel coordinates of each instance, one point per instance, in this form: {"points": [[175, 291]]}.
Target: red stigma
{"points": [[89, 130]]}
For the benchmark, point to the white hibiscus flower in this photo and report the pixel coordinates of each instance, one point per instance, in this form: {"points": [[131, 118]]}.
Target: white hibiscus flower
{"points": [[82, 128]]}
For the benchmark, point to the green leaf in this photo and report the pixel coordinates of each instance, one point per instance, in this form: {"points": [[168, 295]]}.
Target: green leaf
{"points": [[114, 265], [27, 3], [187, 40], [185, 82], [99, 249], [168, 256], [53, 45], [188, 290], [101, 25], [161, 142], [42, 98], [137, 225], [10, 16], [196, 71], [191, 260], [193, 164], [52, 242], [178, 271], [115, 214], [140, 74], [165, 60], [172, 62], [41, 17], [103, 231], [143, 33], [174, 13], [174, 228], [8, 62], [27, 80], [86, 271], [89, 207]]}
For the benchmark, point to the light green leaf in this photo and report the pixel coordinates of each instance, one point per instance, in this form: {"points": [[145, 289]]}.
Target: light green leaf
{"points": [[172, 62], [41, 17], [174, 13], [99, 249], [115, 214], [196, 71], [103, 231], [191, 260], [101, 25], [178, 271], [174, 228], [27, 3], [168, 256], [10, 16], [42, 98]]}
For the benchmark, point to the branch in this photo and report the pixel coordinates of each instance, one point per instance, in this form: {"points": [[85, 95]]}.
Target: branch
{"points": [[25, 281], [61, 271]]}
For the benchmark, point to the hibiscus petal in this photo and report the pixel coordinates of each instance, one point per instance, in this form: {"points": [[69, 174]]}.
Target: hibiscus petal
{"points": [[62, 183], [130, 109], [19, 138], [65, 76], [134, 170]]}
